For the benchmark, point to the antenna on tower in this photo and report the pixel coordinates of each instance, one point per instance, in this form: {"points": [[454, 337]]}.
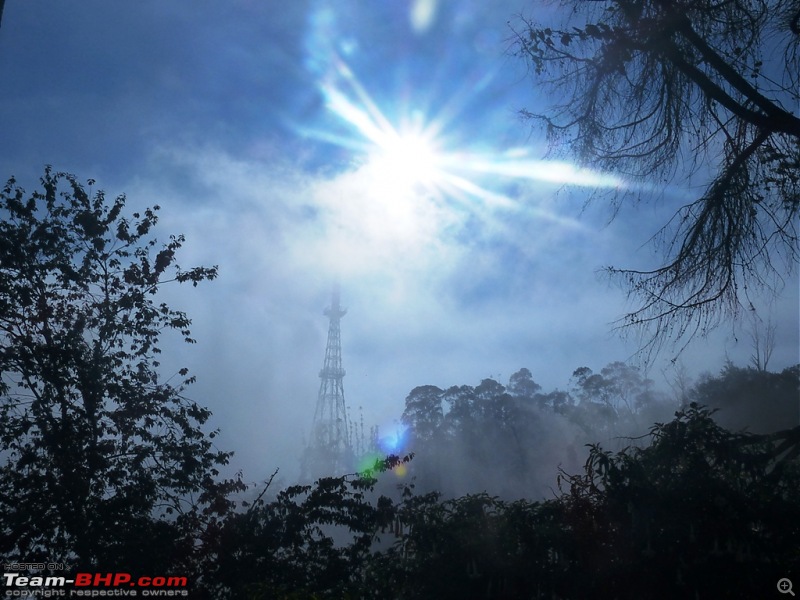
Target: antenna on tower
{"points": [[330, 452]]}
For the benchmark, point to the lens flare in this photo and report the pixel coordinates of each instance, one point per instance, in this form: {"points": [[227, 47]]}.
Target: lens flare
{"points": [[395, 442], [423, 172], [367, 463], [411, 151]]}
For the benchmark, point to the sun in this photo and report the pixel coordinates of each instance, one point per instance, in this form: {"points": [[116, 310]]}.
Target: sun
{"points": [[407, 161], [417, 178], [409, 150], [405, 153]]}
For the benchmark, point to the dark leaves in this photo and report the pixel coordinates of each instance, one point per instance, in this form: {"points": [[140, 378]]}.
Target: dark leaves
{"points": [[93, 443], [698, 501], [163, 260]]}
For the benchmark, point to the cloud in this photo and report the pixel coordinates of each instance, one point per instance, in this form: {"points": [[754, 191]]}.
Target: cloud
{"points": [[436, 294], [209, 113]]}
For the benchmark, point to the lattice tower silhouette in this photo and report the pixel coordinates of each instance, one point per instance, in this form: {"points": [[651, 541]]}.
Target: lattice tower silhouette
{"points": [[330, 451]]}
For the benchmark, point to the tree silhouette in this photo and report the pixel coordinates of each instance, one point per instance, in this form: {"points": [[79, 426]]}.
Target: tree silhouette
{"points": [[752, 399], [652, 89], [698, 511], [103, 463], [692, 510]]}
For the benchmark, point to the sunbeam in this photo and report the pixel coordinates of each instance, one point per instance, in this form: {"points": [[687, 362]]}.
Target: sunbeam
{"points": [[424, 180], [412, 151]]}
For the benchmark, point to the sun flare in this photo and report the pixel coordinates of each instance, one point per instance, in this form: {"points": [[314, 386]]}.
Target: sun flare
{"points": [[416, 180], [407, 160], [410, 152]]}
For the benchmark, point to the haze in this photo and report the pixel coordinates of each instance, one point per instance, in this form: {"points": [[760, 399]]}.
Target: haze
{"points": [[373, 144]]}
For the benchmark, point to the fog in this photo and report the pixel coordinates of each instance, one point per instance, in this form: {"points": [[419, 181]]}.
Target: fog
{"points": [[262, 133]]}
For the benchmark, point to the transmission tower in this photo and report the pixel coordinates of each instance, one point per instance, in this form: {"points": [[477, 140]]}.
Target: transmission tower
{"points": [[329, 451]]}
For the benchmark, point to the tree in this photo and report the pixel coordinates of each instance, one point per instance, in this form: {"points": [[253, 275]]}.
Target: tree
{"points": [[102, 462], [617, 401], [488, 437], [310, 542], [423, 412], [762, 340], [698, 511], [655, 88], [750, 398], [522, 386], [596, 413]]}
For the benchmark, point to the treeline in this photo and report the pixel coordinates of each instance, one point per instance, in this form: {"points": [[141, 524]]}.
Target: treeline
{"points": [[689, 509], [512, 439], [695, 512]]}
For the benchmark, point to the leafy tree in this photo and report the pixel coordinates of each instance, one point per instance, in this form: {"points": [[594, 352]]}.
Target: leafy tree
{"points": [[286, 548], [651, 89], [475, 546], [101, 462], [311, 542], [618, 387], [699, 511], [489, 437], [423, 412], [461, 414], [617, 401], [750, 398], [521, 385], [558, 401]]}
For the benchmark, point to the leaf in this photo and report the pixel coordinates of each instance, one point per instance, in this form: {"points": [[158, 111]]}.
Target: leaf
{"points": [[124, 450]]}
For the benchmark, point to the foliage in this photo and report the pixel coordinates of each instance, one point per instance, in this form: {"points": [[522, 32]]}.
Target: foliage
{"points": [[311, 541], [102, 463], [106, 465], [758, 400], [423, 411], [510, 439], [651, 89], [286, 548], [615, 401], [698, 512]]}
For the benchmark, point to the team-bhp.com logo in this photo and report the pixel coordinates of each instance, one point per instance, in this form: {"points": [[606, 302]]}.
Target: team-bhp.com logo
{"points": [[93, 585]]}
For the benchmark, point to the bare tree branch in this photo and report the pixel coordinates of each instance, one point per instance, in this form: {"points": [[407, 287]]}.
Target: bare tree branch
{"points": [[658, 89]]}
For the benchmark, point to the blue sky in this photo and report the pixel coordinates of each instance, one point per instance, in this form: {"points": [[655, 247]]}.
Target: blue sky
{"points": [[264, 129]]}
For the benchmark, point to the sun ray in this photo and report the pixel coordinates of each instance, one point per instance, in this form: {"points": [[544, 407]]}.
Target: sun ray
{"points": [[414, 184], [417, 150]]}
